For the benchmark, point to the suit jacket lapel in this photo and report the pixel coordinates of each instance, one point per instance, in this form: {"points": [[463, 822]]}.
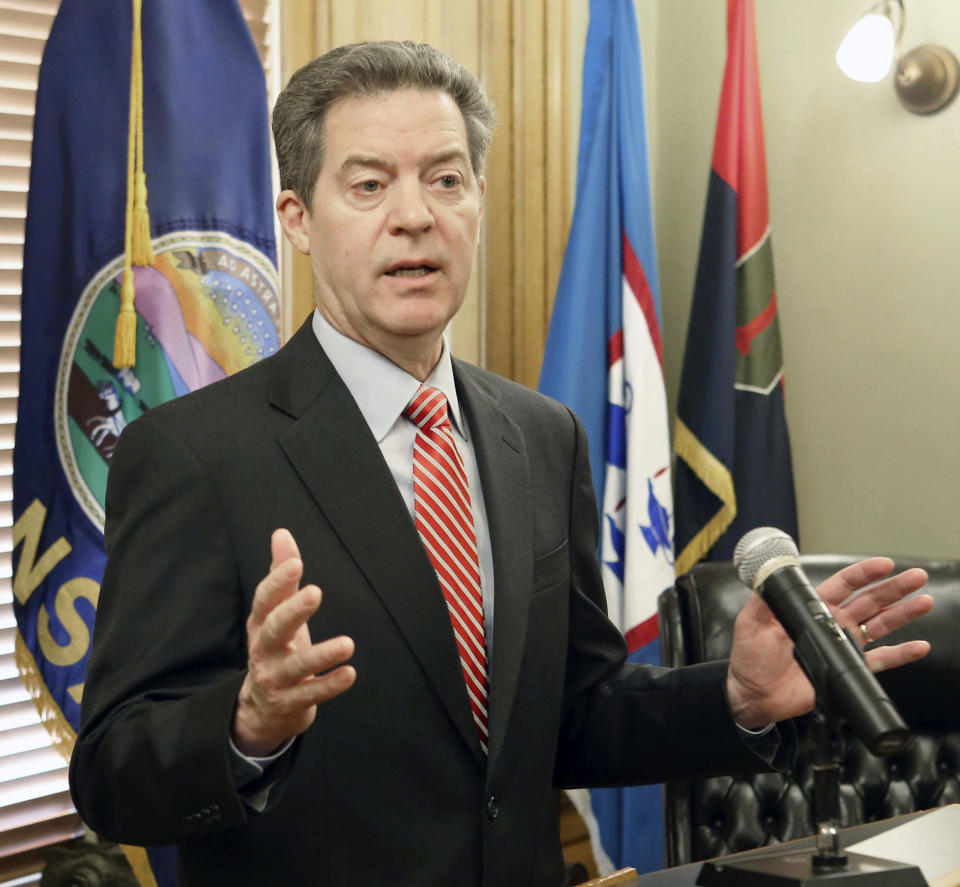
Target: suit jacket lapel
{"points": [[502, 463], [337, 458]]}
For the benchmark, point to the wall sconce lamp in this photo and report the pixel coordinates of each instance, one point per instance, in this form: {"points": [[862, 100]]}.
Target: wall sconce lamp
{"points": [[926, 78]]}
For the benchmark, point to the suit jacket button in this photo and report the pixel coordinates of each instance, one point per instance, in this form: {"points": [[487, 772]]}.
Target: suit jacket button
{"points": [[493, 809]]}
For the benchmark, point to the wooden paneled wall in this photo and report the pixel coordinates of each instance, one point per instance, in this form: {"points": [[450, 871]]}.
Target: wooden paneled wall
{"points": [[519, 49]]}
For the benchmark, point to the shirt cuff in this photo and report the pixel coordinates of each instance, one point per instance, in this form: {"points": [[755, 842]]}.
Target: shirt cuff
{"points": [[763, 731], [254, 777], [764, 743]]}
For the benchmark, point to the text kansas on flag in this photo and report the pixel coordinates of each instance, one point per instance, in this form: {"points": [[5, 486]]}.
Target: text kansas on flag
{"points": [[187, 105], [604, 359], [734, 470]]}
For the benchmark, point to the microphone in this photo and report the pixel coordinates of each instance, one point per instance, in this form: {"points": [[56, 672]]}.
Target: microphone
{"points": [[767, 560]]}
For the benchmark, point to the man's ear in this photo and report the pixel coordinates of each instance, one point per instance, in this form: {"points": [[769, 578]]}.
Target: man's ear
{"points": [[482, 182], [295, 220]]}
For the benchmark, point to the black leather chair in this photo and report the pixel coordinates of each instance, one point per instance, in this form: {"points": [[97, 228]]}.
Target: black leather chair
{"points": [[725, 815]]}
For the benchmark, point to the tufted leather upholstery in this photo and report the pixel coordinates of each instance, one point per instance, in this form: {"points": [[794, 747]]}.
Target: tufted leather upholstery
{"points": [[725, 815]]}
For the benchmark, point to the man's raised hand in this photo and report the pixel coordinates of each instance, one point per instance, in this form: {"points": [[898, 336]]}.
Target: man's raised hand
{"points": [[287, 674], [764, 682]]}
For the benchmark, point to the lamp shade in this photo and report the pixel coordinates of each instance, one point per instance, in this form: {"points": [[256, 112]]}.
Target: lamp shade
{"points": [[866, 53]]}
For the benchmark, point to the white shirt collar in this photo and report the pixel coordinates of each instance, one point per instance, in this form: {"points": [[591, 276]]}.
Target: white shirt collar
{"points": [[380, 388]]}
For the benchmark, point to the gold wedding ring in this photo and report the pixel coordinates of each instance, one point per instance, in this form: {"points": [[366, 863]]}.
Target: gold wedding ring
{"points": [[869, 638]]}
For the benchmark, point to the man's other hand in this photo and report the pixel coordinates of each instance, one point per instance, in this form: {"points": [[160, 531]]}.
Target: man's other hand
{"points": [[287, 674], [764, 681]]}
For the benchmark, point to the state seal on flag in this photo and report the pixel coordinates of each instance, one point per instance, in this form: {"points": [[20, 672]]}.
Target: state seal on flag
{"points": [[208, 308]]}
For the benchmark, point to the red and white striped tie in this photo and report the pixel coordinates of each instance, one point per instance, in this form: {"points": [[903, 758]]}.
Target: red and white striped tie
{"points": [[444, 521]]}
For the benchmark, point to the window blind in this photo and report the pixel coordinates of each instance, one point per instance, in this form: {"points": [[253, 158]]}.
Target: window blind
{"points": [[35, 806]]}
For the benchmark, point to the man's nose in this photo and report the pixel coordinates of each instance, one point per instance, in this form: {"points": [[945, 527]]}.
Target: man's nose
{"points": [[409, 211]]}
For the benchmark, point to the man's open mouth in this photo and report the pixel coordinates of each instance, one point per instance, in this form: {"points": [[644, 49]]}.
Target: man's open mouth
{"points": [[419, 271]]}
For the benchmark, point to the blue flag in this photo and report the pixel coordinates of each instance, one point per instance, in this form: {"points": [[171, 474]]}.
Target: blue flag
{"points": [[733, 470], [205, 307], [604, 359]]}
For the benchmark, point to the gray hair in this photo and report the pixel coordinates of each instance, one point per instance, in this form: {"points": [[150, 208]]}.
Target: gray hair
{"points": [[369, 69]]}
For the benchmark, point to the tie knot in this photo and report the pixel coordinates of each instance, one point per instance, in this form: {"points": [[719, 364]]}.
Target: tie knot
{"points": [[428, 409]]}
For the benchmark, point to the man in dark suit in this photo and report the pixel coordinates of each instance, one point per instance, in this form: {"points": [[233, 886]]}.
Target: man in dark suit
{"points": [[374, 737]]}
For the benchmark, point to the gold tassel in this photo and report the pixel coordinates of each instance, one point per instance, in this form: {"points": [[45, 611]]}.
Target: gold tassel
{"points": [[125, 338], [141, 245], [138, 245]]}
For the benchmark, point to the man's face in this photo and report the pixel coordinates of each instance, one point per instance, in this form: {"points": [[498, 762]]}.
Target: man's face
{"points": [[393, 227]]}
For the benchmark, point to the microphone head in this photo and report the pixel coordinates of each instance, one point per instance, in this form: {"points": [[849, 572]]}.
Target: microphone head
{"points": [[759, 546]]}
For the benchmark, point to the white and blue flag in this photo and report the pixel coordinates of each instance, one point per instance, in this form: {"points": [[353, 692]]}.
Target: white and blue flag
{"points": [[604, 359]]}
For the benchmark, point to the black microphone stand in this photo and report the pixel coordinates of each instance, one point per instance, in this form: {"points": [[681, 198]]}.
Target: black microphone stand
{"points": [[826, 755], [828, 864]]}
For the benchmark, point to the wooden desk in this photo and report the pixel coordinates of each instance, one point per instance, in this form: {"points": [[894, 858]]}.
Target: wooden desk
{"points": [[686, 875]]}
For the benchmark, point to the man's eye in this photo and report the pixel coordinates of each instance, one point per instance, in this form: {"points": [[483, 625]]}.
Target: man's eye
{"points": [[450, 181], [370, 187]]}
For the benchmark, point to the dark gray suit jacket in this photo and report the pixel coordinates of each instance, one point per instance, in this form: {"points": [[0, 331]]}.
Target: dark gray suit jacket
{"points": [[389, 784]]}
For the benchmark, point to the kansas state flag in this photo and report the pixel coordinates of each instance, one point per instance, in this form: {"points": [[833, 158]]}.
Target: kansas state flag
{"points": [[604, 359], [733, 470], [207, 307]]}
